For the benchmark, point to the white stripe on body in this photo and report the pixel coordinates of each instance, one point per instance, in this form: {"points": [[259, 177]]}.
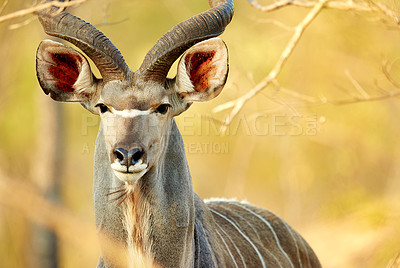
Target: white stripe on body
{"points": [[251, 226], [270, 227], [238, 251], [245, 236], [305, 250], [248, 223], [226, 245], [295, 242]]}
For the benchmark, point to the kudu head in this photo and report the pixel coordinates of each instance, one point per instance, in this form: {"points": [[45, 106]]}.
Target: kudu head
{"points": [[136, 108]]}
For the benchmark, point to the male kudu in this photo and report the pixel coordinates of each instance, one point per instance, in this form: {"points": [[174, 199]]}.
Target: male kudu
{"points": [[143, 195]]}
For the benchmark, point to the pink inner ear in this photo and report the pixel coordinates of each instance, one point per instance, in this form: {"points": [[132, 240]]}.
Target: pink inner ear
{"points": [[200, 69], [65, 70]]}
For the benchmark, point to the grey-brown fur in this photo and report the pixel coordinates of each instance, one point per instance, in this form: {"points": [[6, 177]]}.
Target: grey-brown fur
{"points": [[143, 194], [187, 224]]}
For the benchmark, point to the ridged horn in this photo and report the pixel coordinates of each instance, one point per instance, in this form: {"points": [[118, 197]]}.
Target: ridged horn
{"points": [[182, 36], [107, 58]]}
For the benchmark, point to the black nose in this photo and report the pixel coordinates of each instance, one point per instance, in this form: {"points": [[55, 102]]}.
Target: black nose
{"points": [[128, 158]]}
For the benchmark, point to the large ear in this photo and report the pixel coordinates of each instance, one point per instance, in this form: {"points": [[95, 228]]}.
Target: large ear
{"points": [[202, 71], [64, 73]]}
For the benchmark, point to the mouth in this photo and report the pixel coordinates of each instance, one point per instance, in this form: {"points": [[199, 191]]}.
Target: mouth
{"points": [[130, 174]]}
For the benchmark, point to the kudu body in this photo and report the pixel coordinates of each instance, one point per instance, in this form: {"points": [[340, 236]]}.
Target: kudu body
{"points": [[143, 195]]}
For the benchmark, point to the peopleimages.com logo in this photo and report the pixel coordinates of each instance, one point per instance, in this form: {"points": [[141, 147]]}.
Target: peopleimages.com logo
{"points": [[259, 125], [206, 147], [197, 125]]}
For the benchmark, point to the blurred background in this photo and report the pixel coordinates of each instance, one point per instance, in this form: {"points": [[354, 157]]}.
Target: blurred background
{"points": [[322, 150]]}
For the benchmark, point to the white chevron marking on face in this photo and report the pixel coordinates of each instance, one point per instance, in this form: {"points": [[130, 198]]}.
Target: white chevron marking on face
{"points": [[130, 113]]}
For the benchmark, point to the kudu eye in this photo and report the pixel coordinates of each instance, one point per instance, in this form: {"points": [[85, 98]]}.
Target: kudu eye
{"points": [[103, 108], [163, 108]]}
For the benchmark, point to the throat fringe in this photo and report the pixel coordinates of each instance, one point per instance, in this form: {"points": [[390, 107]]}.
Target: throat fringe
{"points": [[135, 223]]}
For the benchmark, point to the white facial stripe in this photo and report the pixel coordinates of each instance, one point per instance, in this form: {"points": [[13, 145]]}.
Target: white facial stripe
{"points": [[130, 113]]}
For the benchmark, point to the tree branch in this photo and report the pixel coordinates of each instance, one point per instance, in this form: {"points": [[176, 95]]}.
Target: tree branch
{"points": [[238, 104], [341, 5], [36, 8], [3, 6], [364, 6]]}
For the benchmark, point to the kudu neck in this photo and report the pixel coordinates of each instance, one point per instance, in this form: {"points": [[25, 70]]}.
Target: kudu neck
{"points": [[161, 211], [169, 193]]}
